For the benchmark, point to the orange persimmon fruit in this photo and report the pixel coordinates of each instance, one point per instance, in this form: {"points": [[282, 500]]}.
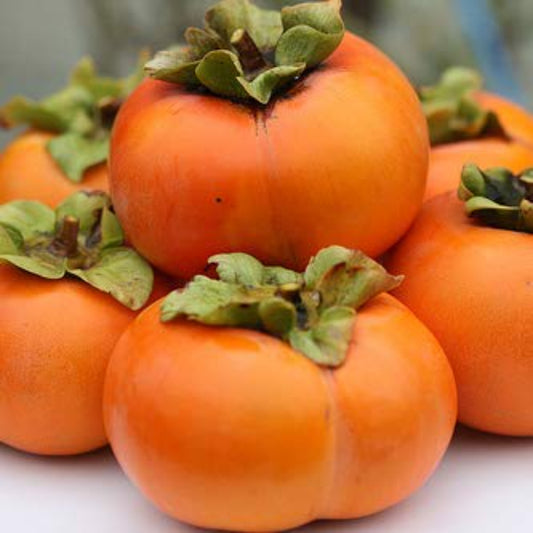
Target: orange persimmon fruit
{"points": [[230, 428], [57, 333], [55, 342], [338, 154], [472, 285]]}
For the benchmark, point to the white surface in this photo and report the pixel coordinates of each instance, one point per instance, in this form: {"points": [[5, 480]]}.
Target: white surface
{"points": [[484, 484]]}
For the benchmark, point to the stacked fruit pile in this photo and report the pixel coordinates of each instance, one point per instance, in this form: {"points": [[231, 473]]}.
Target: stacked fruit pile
{"points": [[259, 169]]}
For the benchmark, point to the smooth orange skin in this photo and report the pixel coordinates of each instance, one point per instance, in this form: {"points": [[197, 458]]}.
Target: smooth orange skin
{"points": [[232, 429], [516, 154], [56, 338], [343, 159], [473, 287], [27, 172]]}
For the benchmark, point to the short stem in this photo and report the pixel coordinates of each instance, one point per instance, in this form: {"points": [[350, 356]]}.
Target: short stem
{"points": [[251, 57], [68, 235]]}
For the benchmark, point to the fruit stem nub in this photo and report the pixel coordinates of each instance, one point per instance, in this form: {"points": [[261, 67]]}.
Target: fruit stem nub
{"points": [[67, 238], [251, 57]]}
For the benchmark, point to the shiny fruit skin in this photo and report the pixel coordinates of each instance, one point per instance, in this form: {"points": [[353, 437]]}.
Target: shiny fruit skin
{"points": [[232, 429], [55, 342], [516, 153], [342, 159], [28, 172], [473, 287]]}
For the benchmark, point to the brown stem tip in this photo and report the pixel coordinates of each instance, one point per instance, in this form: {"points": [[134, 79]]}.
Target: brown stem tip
{"points": [[251, 57], [67, 238]]}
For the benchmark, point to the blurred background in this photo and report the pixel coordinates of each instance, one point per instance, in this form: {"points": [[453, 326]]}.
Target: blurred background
{"points": [[40, 41]]}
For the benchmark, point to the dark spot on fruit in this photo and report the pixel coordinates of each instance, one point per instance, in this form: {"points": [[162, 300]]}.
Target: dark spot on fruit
{"points": [[218, 200]]}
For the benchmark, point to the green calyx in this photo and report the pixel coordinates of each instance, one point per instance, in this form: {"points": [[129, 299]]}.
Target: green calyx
{"points": [[314, 312], [81, 115], [452, 111], [83, 238], [498, 198], [248, 53]]}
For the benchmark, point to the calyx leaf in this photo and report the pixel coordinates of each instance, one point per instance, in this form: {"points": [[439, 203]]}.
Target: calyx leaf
{"points": [[249, 53], [452, 111], [315, 311], [83, 238], [498, 198], [81, 115], [75, 153]]}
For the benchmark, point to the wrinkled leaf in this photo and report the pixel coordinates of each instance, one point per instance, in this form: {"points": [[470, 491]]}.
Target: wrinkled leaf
{"points": [[315, 317], [354, 282], [219, 72], [322, 263], [327, 342], [203, 41], [28, 218], [278, 316], [232, 56], [41, 263], [123, 274], [11, 241], [214, 302], [497, 198], [33, 238], [452, 112], [85, 206], [111, 234], [238, 268], [85, 75], [265, 84], [228, 16], [75, 153], [244, 269], [174, 66], [454, 83], [312, 32], [79, 114], [20, 110], [472, 182], [281, 277], [493, 214]]}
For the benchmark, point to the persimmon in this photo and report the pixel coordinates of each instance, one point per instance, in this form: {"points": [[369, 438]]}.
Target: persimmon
{"points": [[471, 284], [469, 125], [57, 332], [324, 412], [229, 150], [66, 147]]}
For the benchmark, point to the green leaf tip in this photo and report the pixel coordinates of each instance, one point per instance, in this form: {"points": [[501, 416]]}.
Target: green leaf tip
{"points": [[82, 238], [248, 53], [81, 116], [498, 198], [313, 311], [452, 111]]}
